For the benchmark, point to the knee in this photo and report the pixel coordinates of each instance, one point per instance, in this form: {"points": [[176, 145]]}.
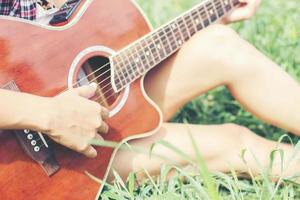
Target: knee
{"points": [[215, 38], [219, 45], [218, 33], [243, 137]]}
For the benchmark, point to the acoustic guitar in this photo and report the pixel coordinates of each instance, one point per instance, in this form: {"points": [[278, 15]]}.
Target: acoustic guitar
{"points": [[108, 42]]}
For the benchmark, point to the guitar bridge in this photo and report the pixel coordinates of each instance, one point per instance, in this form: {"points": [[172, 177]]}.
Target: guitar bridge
{"points": [[35, 144]]}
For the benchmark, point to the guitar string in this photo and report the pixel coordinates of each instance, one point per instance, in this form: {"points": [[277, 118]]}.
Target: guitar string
{"points": [[188, 32], [172, 42], [211, 6], [202, 9], [86, 78], [221, 6]]}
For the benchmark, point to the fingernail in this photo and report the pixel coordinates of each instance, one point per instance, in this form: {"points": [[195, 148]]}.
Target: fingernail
{"points": [[105, 113], [94, 85], [94, 154]]}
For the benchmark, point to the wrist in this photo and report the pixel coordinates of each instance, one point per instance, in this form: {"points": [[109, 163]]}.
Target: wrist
{"points": [[36, 116]]}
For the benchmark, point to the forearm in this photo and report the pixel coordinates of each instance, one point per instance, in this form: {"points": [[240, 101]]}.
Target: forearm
{"points": [[22, 111]]}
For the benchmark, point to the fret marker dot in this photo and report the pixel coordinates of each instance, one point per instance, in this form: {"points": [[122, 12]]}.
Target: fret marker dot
{"points": [[211, 12], [179, 42], [174, 26], [226, 2], [137, 60], [158, 46], [147, 53], [197, 21]]}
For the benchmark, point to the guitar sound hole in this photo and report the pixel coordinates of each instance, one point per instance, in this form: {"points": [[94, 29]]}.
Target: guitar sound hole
{"points": [[97, 69]]}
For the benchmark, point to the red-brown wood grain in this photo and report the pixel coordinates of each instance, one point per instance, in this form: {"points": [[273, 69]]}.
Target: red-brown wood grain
{"points": [[38, 60]]}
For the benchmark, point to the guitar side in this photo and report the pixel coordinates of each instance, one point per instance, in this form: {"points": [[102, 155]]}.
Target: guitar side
{"points": [[29, 56]]}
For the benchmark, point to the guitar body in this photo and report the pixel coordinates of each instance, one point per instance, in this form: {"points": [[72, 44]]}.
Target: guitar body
{"points": [[44, 61]]}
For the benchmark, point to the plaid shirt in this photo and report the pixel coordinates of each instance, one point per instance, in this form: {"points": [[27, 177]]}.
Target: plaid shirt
{"points": [[25, 9]]}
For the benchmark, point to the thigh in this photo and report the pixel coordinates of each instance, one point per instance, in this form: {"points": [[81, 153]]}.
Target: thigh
{"points": [[185, 75], [213, 141], [171, 85], [211, 58]]}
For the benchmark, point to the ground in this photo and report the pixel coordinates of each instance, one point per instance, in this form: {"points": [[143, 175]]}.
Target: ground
{"points": [[275, 30]]}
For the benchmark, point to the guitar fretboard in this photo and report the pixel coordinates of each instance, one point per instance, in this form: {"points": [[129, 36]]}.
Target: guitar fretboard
{"points": [[135, 60]]}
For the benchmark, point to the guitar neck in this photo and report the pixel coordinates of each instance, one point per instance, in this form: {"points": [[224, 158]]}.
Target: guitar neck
{"points": [[135, 60]]}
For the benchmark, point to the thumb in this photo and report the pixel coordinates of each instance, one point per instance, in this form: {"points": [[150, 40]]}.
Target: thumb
{"points": [[87, 91]]}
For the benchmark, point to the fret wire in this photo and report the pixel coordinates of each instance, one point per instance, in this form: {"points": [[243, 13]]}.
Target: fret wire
{"points": [[178, 34], [183, 30], [212, 16], [188, 30], [132, 64], [220, 7], [149, 52], [144, 58], [140, 58], [207, 14], [204, 17], [146, 52], [215, 8], [235, 3], [191, 21], [173, 41], [120, 70], [115, 71], [166, 44], [200, 18], [124, 68], [161, 47], [179, 31], [168, 41], [228, 4], [154, 48], [178, 39], [136, 59], [223, 6], [168, 36], [127, 65], [197, 20], [174, 33], [174, 45]]}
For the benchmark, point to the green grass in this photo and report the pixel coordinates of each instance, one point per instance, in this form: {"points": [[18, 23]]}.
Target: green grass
{"points": [[275, 31]]}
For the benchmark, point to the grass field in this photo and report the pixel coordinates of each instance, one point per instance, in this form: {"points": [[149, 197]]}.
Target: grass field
{"points": [[276, 32]]}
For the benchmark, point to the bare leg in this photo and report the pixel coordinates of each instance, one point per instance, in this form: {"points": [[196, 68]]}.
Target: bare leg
{"points": [[221, 146], [218, 56]]}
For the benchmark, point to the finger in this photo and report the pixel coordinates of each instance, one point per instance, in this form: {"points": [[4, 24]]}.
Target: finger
{"points": [[99, 137], [240, 14], [104, 113], [87, 91], [103, 128], [90, 152]]}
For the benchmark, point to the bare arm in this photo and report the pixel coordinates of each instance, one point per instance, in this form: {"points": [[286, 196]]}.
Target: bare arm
{"points": [[70, 118]]}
